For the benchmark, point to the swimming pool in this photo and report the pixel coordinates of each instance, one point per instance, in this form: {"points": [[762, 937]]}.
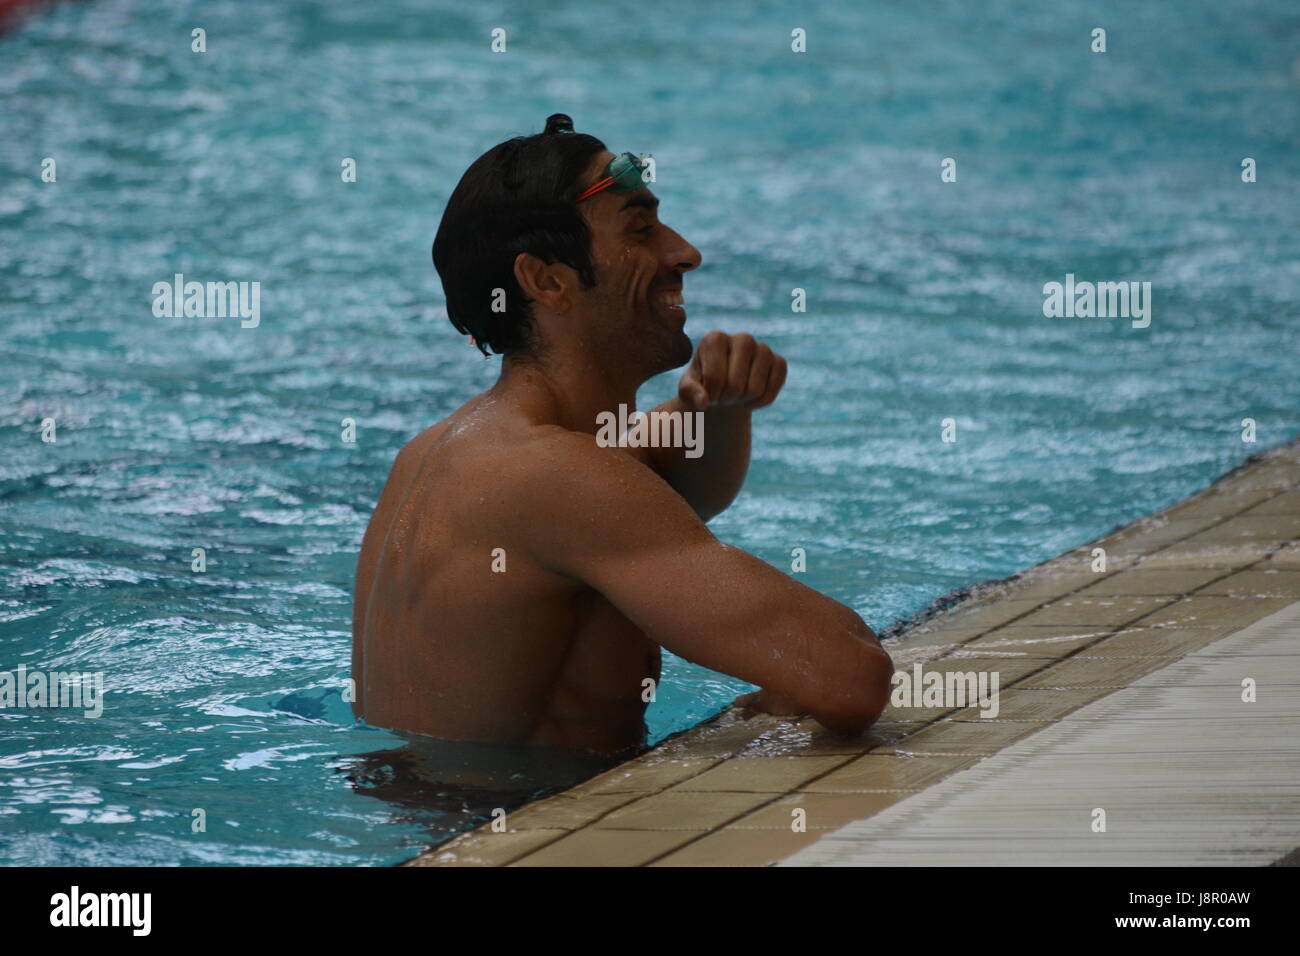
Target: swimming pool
{"points": [[818, 171]]}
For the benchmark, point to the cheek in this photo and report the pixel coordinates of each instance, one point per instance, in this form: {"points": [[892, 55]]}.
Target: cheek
{"points": [[618, 267], [626, 277], [643, 276]]}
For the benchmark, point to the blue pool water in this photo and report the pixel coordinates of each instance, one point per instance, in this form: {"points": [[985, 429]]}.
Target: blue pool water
{"points": [[817, 171]]}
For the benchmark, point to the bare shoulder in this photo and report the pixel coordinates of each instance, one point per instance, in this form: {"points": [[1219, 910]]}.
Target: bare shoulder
{"points": [[412, 453], [569, 499], [554, 461]]}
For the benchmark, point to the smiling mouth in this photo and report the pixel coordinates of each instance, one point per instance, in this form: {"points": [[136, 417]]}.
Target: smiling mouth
{"points": [[673, 301]]}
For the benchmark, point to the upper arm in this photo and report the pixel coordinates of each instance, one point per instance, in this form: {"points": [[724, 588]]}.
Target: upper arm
{"points": [[600, 517]]}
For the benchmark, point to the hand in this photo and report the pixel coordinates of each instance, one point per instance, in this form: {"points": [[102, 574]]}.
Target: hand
{"points": [[729, 371], [766, 702]]}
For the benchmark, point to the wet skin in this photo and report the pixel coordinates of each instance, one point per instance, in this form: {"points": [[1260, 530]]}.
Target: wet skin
{"points": [[607, 555]]}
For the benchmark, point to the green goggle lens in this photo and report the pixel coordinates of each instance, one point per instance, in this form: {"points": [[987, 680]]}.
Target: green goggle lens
{"points": [[624, 173]]}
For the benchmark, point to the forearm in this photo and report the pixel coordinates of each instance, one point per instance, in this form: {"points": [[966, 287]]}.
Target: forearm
{"points": [[711, 481], [863, 671]]}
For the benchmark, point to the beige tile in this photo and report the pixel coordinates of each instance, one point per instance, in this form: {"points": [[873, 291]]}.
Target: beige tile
{"points": [[740, 848], [886, 731], [1245, 528], [682, 810], [811, 739], [1044, 586], [646, 774], [1208, 554], [484, 848], [1115, 611], [1155, 642], [761, 774], [983, 617], [919, 716], [1098, 672], [592, 847], [1051, 641], [821, 811], [1284, 559], [888, 772], [1145, 582], [1280, 472], [1198, 611], [1218, 503], [1258, 583], [725, 736], [945, 638], [905, 658], [565, 811], [807, 739], [1286, 503], [1289, 453], [883, 731], [1009, 669], [1147, 534], [1117, 558], [772, 735], [1078, 561], [982, 736], [1037, 703]]}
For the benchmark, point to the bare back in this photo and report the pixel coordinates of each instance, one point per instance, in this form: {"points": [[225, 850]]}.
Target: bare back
{"points": [[459, 632]]}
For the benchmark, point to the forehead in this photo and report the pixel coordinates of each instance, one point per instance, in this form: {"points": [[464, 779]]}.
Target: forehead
{"points": [[607, 204], [598, 164]]}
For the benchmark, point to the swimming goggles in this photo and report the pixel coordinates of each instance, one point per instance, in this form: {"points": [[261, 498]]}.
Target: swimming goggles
{"points": [[623, 174]]}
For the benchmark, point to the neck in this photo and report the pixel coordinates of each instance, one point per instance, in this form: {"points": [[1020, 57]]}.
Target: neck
{"points": [[567, 389]]}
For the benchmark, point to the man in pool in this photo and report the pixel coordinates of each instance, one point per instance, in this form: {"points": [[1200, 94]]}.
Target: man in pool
{"points": [[519, 576]]}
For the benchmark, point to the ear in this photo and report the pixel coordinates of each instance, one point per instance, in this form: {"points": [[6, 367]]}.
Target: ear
{"points": [[552, 284]]}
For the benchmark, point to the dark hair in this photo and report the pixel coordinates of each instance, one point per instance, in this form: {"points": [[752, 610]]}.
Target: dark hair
{"points": [[517, 197]]}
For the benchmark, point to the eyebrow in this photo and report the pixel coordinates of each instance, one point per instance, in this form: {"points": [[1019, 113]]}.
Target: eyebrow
{"points": [[646, 200]]}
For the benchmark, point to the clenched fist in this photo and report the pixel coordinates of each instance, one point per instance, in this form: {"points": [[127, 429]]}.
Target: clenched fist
{"points": [[731, 370]]}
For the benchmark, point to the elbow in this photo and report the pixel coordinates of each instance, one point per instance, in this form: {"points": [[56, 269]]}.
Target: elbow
{"points": [[863, 698]]}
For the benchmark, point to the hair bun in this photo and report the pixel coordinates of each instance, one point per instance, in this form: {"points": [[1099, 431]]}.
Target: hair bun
{"points": [[559, 123]]}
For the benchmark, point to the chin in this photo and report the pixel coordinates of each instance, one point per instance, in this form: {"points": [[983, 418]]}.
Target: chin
{"points": [[673, 353], [684, 350], [664, 349]]}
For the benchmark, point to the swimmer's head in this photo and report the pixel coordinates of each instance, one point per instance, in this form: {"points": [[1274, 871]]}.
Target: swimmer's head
{"points": [[570, 233], [518, 197]]}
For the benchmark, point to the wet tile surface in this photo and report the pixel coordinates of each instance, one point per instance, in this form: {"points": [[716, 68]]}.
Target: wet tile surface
{"points": [[1140, 580], [683, 810], [761, 774], [739, 848], [892, 771], [1111, 611], [1181, 768], [592, 847]]}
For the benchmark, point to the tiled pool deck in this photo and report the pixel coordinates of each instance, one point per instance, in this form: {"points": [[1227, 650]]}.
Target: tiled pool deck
{"points": [[1060, 635]]}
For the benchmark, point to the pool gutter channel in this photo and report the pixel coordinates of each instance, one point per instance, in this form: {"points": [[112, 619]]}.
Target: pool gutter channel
{"points": [[730, 791]]}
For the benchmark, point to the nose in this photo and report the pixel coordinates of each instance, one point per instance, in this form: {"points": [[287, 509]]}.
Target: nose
{"points": [[679, 254]]}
